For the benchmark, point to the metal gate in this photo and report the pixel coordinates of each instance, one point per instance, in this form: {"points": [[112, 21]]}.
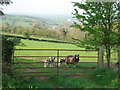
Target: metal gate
{"points": [[33, 65]]}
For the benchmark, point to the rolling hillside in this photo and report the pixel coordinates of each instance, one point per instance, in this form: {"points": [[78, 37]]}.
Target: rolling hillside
{"points": [[20, 20], [43, 21]]}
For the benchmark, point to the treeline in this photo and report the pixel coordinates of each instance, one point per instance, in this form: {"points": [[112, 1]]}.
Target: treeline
{"points": [[64, 33]]}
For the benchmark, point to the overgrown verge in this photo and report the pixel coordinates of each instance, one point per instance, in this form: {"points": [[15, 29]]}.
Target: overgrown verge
{"points": [[104, 78], [107, 78]]}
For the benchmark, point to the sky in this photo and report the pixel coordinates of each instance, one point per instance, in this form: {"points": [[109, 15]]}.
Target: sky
{"points": [[40, 6]]}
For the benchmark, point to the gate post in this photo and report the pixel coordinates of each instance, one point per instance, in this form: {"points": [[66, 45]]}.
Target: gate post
{"points": [[100, 57], [57, 62]]}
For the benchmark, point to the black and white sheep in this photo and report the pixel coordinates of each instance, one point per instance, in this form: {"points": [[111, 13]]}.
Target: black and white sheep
{"points": [[62, 60], [49, 62]]}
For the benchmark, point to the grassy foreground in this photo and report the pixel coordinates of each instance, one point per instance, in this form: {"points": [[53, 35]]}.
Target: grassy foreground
{"points": [[105, 78]]}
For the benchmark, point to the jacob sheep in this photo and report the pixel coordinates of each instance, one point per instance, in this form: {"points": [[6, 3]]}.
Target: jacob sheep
{"points": [[49, 62], [62, 60], [72, 59]]}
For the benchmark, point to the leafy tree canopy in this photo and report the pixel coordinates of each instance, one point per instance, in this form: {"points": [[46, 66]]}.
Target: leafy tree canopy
{"points": [[99, 21]]}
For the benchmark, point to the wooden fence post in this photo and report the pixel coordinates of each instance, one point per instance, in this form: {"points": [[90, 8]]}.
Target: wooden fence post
{"points": [[100, 57], [57, 62]]}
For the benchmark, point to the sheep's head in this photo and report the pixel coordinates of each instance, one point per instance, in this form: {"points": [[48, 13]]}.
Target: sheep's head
{"points": [[52, 58], [77, 57]]}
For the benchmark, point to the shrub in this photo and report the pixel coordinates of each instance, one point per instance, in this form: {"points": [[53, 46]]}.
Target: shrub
{"points": [[8, 46], [105, 77]]}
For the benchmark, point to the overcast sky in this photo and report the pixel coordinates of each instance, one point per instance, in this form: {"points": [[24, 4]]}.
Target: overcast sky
{"points": [[41, 6]]}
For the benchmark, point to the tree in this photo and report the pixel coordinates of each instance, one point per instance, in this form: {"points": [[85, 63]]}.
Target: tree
{"points": [[8, 47], [26, 34], [98, 20], [118, 27], [4, 2]]}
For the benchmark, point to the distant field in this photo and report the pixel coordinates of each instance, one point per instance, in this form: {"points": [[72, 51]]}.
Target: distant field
{"points": [[5, 33], [48, 45]]}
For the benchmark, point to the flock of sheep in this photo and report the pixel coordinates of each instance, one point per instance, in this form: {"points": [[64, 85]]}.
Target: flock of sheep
{"points": [[71, 59]]}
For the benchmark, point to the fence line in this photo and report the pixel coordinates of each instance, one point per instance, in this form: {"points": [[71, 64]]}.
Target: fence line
{"points": [[43, 62], [60, 56], [56, 49], [56, 72], [53, 67]]}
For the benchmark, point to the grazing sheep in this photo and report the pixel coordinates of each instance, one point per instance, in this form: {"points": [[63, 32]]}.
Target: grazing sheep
{"points": [[49, 62], [72, 59], [62, 60]]}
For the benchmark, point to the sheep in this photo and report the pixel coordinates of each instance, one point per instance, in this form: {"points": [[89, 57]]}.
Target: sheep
{"points": [[49, 61], [62, 60], [71, 59]]}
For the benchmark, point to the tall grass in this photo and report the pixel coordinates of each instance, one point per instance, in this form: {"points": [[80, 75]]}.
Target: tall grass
{"points": [[106, 77], [103, 78]]}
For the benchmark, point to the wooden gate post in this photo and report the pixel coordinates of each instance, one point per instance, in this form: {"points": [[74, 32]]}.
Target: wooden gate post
{"points": [[57, 62], [100, 57]]}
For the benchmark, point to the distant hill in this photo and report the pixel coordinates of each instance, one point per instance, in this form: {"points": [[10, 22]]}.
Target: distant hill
{"points": [[44, 21], [22, 20]]}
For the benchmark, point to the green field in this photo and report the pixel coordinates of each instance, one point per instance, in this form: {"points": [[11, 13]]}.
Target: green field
{"points": [[35, 71], [48, 45]]}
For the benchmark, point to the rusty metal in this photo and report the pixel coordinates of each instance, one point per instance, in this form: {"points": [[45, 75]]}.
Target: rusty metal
{"points": [[57, 67], [62, 71], [53, 67], [59, 56], [55, 75], [56, 49], [43, 62]]}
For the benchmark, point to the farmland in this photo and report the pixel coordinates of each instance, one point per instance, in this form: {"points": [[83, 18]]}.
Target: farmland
{"points": [[48, 45], [33, 66], [74, 46]]}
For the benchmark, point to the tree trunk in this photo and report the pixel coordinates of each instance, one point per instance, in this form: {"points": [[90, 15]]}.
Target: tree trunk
{"points": [[108, 54], [101, 58]]}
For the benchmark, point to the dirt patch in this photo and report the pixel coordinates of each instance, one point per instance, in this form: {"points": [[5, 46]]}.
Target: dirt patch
{"points": [[40, 78], [32, 59]]}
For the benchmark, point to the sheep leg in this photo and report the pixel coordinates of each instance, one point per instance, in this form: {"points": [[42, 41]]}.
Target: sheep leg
{"points": [[45, 64], [50, 65], [73, 65], [58, 63], [67, 64]]}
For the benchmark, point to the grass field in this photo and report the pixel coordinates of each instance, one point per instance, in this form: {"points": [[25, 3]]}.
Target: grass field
{"points": [[48, 45], [98, 79], [53, 71]]}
